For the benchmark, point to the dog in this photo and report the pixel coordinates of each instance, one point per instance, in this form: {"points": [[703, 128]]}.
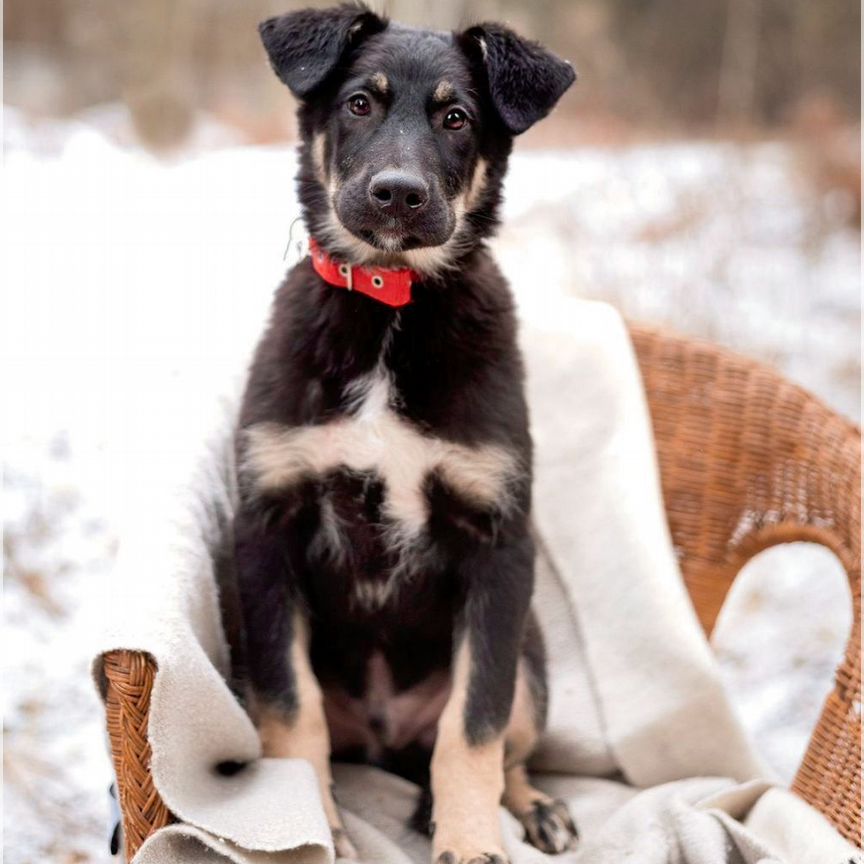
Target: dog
{"points": [[383, 542]]}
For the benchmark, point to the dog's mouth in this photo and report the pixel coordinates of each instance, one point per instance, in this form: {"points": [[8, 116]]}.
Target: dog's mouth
{"points": [[391, 239]]}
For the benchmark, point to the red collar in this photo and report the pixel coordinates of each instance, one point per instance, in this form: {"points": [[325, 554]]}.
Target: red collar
{"points": [[391, 287]]}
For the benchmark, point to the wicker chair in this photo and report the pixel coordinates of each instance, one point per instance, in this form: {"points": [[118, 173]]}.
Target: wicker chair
{"points": [[747, 460]]}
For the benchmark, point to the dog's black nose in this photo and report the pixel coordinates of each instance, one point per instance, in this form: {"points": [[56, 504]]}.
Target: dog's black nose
{"points": [[398, 193]]}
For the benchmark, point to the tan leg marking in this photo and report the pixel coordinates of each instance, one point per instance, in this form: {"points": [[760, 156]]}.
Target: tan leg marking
{"points": [[467, 782], [521, 733], [519, 795], [547, 822], [304, 735]]}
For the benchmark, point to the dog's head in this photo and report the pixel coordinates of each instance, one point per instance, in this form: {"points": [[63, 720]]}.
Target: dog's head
{"points": [[406, 132]]}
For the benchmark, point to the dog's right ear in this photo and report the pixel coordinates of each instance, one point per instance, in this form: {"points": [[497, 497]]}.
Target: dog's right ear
{"points": [[305, 47]]}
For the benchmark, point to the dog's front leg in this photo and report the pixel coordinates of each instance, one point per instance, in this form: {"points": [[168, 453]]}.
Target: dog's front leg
{"points": [[286, 697], [468, 760]]}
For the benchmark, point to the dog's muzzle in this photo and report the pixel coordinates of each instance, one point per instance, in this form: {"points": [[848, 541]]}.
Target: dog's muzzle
{"points": [[395, 210]]}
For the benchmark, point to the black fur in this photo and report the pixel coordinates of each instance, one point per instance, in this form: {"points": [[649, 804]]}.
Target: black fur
{"points": [[305, 47], [458, 374], [454, 368], [525, 81]]}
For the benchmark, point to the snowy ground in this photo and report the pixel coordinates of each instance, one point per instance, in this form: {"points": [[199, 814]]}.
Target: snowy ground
{"points": [[123, 274]]}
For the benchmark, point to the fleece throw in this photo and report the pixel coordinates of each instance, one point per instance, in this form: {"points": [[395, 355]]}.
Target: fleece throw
{"points": [[641, 742]]}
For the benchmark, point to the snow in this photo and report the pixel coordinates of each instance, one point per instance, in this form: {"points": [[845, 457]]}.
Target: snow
{"points": [[127, 277]]}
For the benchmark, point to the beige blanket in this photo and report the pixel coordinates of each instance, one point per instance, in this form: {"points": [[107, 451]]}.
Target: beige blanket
{"points": [[634, 690]]}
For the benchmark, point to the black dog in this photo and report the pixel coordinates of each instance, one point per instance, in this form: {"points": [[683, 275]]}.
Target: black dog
{"points": [[383, 548]]}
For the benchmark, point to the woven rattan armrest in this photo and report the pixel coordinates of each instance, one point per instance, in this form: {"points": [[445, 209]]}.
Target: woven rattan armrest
{"points": [[129, 677], [747, 460]]}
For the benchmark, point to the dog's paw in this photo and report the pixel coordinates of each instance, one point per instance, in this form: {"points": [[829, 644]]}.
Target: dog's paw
{"points": [[450, 857], [549, 826], [343, 846]]}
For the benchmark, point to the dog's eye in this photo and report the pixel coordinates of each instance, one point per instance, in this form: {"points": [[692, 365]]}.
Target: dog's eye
{"points": [[358, 104], [455, 119]]}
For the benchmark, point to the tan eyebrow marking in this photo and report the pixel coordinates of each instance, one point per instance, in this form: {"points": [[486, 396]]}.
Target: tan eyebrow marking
{"points": [[443, 91], [380, 83]]}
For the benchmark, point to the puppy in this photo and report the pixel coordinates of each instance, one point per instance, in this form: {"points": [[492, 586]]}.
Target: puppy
{"points": [[383, 550]]}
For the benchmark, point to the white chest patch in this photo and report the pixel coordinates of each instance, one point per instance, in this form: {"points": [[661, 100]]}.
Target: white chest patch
{"points": [[375, 438]]}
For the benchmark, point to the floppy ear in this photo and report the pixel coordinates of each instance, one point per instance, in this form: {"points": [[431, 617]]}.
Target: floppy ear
{"points": [[525, 80], [304, 47]]}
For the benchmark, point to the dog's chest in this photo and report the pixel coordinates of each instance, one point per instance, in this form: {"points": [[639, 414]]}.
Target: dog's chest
{"points": [[390, 460]]}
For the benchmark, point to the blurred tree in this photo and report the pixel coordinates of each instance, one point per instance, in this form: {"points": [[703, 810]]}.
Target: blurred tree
{"points": [[737, 85], [660, 64]]}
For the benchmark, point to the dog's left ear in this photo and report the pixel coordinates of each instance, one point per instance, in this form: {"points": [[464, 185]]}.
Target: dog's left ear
{"points": [[525, 80], [305, 47]]}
